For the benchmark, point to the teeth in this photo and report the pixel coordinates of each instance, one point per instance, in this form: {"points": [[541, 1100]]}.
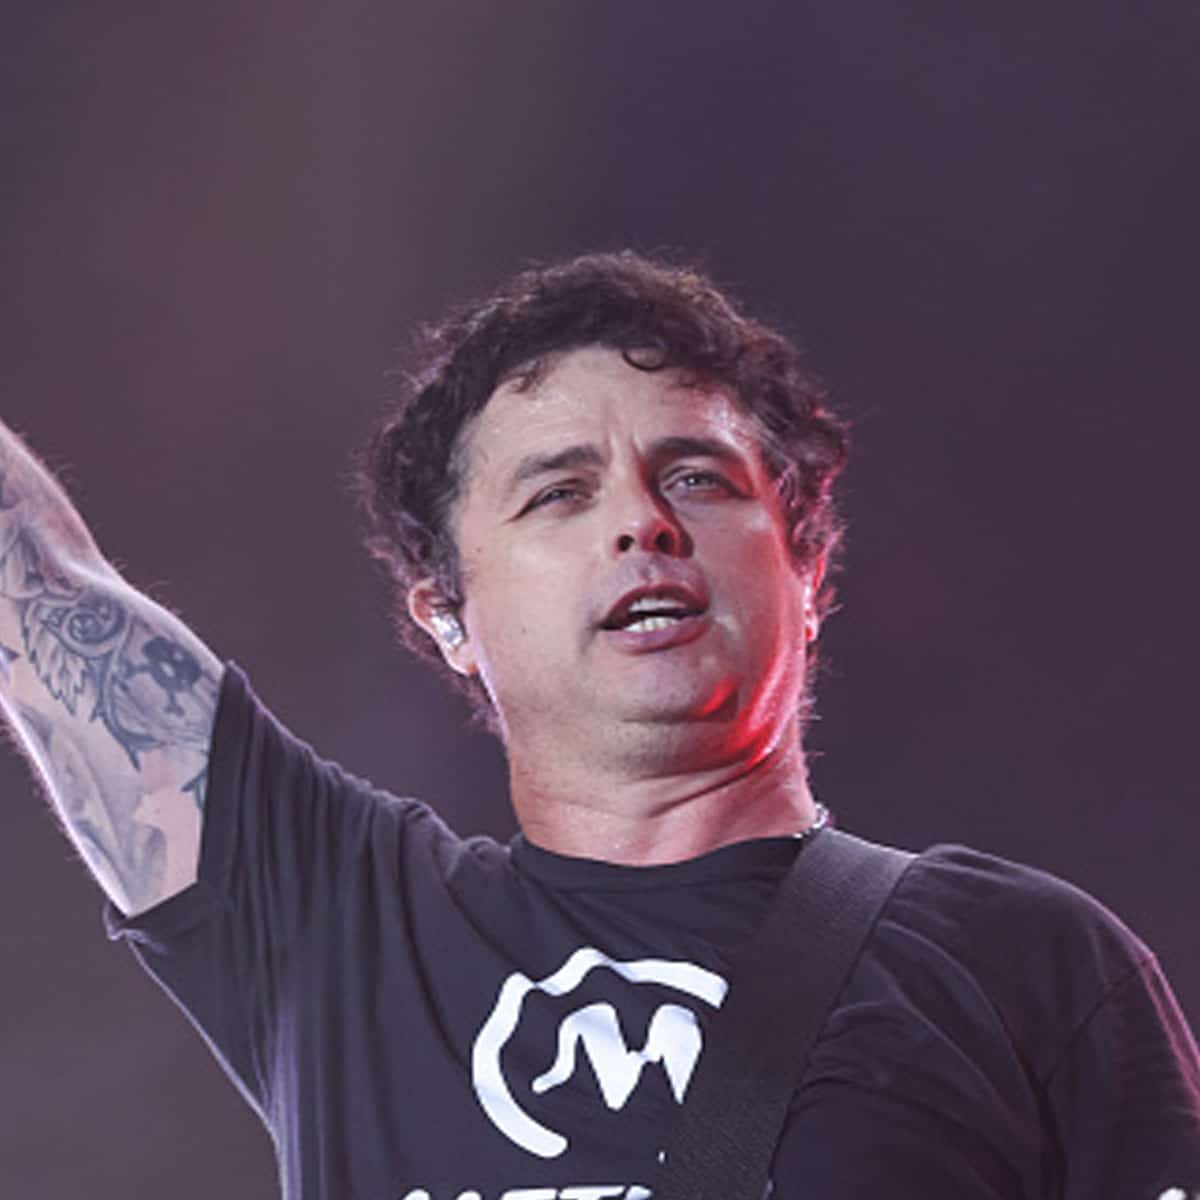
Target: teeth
{"points": [[648, 624], [656, 610], [654, 604]]}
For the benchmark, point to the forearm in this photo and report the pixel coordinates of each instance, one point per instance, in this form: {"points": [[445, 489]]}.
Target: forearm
{"points": [[112, 696]]}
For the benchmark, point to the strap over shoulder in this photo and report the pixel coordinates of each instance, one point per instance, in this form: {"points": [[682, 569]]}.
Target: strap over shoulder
{"points": [[784, 984]]}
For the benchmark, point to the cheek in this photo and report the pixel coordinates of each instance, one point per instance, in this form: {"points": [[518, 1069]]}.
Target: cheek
{"points": [[517, 603], [759, 562], [767, 594]]}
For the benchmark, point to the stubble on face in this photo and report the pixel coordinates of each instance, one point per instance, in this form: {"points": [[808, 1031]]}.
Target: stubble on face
{"points": [[558, 473]]}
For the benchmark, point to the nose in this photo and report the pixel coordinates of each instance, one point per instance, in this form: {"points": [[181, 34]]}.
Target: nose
{"points": [[647, 523]]}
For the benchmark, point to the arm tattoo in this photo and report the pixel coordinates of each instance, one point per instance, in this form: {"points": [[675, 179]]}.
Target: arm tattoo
{"points": [[95, 655], [147, 690], [102, 661], [120, 851]]}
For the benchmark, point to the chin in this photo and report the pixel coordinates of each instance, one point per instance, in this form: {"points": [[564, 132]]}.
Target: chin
{"points": [[682, 712], [674, 744]]}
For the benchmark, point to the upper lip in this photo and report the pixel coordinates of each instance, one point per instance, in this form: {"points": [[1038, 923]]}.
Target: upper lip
{"points": [[679, 595]]}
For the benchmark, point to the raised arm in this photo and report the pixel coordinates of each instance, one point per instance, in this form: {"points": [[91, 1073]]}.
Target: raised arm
{"points": [[110, 694]]}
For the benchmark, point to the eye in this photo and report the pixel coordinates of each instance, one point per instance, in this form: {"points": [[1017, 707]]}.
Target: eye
{"points": [[699, 480], [566, 493]]}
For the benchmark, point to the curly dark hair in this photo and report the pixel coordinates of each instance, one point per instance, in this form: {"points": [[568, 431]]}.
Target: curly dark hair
{"points": [[658, 315]]}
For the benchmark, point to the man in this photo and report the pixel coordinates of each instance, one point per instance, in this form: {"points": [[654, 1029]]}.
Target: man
{"points": [[606, 507]]}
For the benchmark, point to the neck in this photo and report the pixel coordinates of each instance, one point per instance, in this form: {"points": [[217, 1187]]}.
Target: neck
{"points": [[649, 817]]}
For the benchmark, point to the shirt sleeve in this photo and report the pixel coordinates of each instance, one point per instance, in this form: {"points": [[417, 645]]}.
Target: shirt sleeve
{"points": [[1126, 1096], [282, 829]]}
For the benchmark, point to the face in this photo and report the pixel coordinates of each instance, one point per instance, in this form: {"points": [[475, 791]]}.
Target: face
{"points": [[625, 565]]}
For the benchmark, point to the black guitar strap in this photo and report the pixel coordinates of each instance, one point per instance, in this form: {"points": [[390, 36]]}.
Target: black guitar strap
{"points": [[783, 985]]}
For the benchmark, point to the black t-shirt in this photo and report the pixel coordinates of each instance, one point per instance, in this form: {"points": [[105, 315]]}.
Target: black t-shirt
{"points": [[416, 1016]]}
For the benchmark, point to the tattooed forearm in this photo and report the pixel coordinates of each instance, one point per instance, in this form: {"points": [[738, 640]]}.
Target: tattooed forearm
{"points": [[113, 696], [98, 659]]}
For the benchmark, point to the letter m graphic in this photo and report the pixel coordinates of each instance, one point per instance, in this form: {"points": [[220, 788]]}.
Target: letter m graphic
{"points": [[673, 1039]]}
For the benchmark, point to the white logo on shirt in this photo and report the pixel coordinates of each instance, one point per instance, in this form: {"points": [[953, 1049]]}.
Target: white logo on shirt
{"points": [[575, 1191], [673, 1039]]}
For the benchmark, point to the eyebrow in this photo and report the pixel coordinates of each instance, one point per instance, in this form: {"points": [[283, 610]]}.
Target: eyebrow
{"points": [[533, 466], [697, 447]]}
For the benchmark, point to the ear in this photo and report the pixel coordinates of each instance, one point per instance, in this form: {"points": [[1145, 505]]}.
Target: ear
{"points": [[430, 610], [813, 579]]}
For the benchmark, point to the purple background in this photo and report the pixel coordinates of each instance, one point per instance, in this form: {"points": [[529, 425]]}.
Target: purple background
{"points": [[220, 220]]}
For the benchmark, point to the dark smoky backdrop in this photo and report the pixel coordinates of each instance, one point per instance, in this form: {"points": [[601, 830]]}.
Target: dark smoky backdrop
{"points": [[222, 222]]}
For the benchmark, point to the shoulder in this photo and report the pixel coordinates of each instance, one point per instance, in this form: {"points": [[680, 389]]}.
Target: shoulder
{"points": [[986, 903], [1042, 951], [969, 893], [270, 783]]}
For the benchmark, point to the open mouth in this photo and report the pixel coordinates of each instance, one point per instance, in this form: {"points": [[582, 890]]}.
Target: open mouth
{"points": [[650, 610]]}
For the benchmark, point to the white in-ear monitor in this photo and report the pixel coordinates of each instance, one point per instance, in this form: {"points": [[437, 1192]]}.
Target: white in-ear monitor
{"points": [[449, 631]]}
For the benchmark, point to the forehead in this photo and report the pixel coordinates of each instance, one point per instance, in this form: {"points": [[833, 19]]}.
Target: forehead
{"points": [[593, 396]]}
